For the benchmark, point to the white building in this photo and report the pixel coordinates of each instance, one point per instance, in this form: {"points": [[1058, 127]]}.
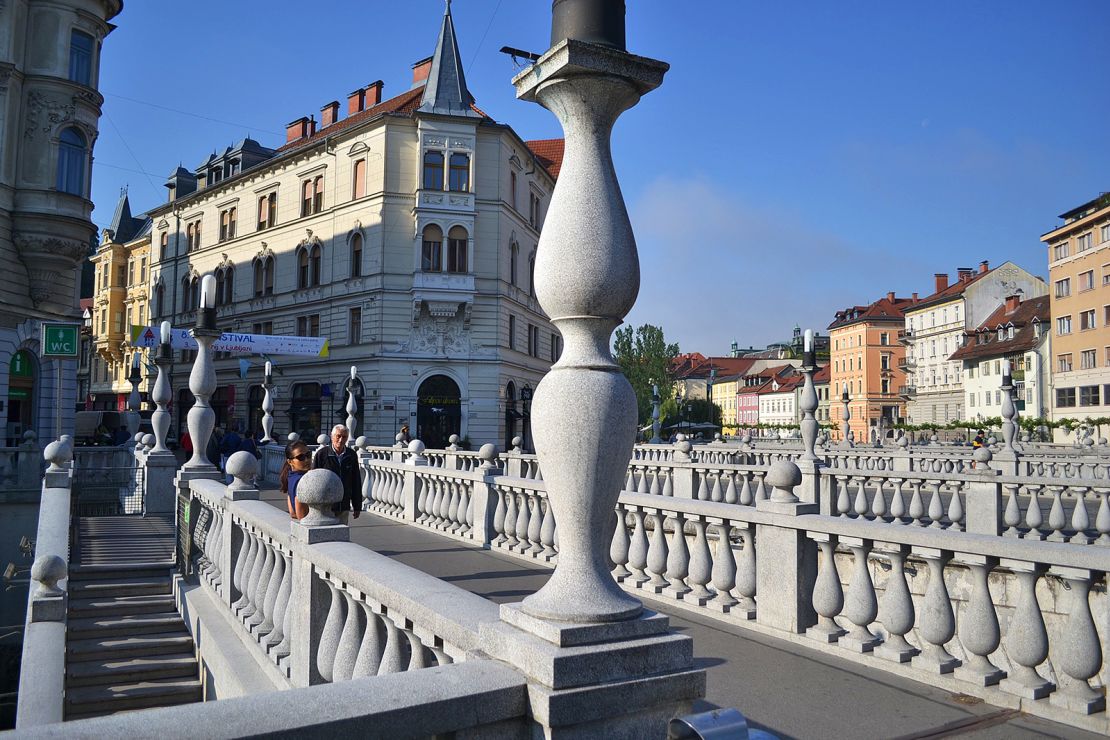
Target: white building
{"points": [[404, 232], [778, 401], [1017, 331], [936, 327], [49, 114]]}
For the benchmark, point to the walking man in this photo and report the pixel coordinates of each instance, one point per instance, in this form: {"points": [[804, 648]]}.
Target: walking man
{"points": [[342, 460]]}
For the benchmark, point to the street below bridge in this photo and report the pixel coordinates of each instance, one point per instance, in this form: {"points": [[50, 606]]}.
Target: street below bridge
{"points": [[787, 689]]}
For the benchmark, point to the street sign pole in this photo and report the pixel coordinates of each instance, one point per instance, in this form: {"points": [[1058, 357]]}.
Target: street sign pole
{"points": [[59, 342]]}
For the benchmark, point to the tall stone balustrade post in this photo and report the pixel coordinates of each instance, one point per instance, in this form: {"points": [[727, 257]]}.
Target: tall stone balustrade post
{"points": [[901, 459], [484, 498], [451, 458], [309, 597], [352, 406], [655, 438], [810, 464], [845, 417], [1007, 457], [398, 452], [134, 399], [983, 505], [268, 405], [786, 561], [410, 493], [584, 413], [683, 472], [513, 464], [161, 463]]}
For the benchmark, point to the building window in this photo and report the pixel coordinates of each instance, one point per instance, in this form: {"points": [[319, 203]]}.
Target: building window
{"points": [[263, 277], [356, 255], [164, 246], [354, 326], [533, 210], [131, 272], [456, 249], [80, 57], [433, 170], [884, 362], [514, 254], [262, 327], [1087, 319], [884, 339], [1063, 325], [512, 190], [358, 179], [532, 275], [1063, 363], [316, 257], [1063, 288], [73, 153], [556, 347], [1086, 279], [227, 224], [225, 282], [142, 269], [1089, 394], [267, 211], [1087, 360], [308, 326], [318, 196], [885, 386], [1065, 397], [460, 173], [302, 269], [512, 331], [431, 253], [1060, 251], [1083, 242], [270, 269], [160, 300], [533, 341], [1104, 233]]}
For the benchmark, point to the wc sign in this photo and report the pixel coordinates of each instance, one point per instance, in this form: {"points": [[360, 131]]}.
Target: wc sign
{"points": [[61, 341]]}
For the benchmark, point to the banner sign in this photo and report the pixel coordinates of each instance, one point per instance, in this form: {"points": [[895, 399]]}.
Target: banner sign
{"points": [[229, 341]]}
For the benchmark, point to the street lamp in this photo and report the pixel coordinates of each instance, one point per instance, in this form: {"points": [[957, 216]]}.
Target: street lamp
{"points": [[526, 408]]}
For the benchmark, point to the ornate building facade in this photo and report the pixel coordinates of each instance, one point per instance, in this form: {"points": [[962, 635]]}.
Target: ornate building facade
{"points": [[405, 233], [49, 113]]}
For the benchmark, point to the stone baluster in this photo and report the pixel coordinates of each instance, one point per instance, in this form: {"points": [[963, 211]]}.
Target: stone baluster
{"points": [[897, 501], [464, 511], [499, 514], [202, 378], [620, 544], [731, 495], [535, 525], [245, 567], [843, 500], [979, 631], [638, 549], [861, 605], [938, 623], [746, 497], [547, 534], [760, 488], [703, 490], [1033, 515], [259, 615], [240, 561], [1057, 519], [281, 604], [859, 506], [332, 631], [1079, 654], [1026, 639], [896, 611], [443, 500], [393, 656], [746, 575], [701, 565], [678, 560], [1080, 520], [257, 562], [828, 596], [162, 394], [418, 654], [936, 507], [346, 654], [422, 505], [878, 503], [269, 605], [1102, 519], [642, 481], [510, 541], [369, 656], [268, 408], [917, 506], [352, 406], [657, 555], [956, 508], [1011, 517], [522, 543]]}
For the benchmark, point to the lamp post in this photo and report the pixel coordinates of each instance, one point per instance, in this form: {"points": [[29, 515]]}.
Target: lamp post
{"points": [[352, 406], [808, 400], [162, 392], [849, 436], [526, 413], [268, 405], [1009, 408], [134, 401], [655, 438], [202, 378]]}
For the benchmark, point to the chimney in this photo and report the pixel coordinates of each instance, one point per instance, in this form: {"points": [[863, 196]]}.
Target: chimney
{"points": [[329, 114], [356, 101], [984, 267], [420, 71], [915, 297], [296, 130], [374, 93], [890, 296], [1012, 303], [312, 125], [942, 281], [964, 273]]}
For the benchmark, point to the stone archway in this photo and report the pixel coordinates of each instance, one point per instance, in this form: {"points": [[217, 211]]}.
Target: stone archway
{"points": [[438, 411]]}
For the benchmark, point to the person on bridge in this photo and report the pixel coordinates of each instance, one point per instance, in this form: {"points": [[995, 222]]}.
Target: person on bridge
{"points": [[297, 459], [342, 460]]}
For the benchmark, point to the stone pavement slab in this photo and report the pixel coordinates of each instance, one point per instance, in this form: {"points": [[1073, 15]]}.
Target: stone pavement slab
{"points": [[790, 690]]}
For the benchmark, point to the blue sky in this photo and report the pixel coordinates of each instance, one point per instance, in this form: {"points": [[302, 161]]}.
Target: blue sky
{"points": [[800, 157]]}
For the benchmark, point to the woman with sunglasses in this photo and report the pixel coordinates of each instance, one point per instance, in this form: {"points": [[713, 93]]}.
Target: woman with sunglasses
{"points": [[297, 463]]}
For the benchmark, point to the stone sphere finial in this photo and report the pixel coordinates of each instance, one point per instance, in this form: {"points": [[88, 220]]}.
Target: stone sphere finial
{"points": [[47, 571], [716, 436], [30, 436], [747, 438], [362, 443], [138, 438], [982, 457], [679, 437], [903, 441], [517, 442], [453, 442], [783, 477], [397, 440], [243, 467], [320, 490], [148, 441], [58, 454], [1088, 441], [488, 455], [321, 439], [416, 447], [991, 440], [292, 437]]}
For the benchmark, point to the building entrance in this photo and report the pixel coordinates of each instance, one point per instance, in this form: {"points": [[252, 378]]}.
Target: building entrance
{"points": [[21, 395], [438, 411]]}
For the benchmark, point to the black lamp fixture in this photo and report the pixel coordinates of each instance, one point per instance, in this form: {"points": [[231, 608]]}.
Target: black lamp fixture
{"points": [[596, 21]]}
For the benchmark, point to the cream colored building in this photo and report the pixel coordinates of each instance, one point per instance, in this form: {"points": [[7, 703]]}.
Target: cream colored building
{"points": [[49, 113], [1079, 277], [405, 232], [724, 396], [935, 328]]}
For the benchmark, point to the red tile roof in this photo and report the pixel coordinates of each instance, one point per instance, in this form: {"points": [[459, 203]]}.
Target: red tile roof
{"points": [[952, 291], [404, 104], [823, 375], [984, 342], [883, 309], [550, 154]]}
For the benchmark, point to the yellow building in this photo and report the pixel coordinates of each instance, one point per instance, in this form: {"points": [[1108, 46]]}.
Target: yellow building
{"points": [[120, 300], [724, 395], [1079, 285]]}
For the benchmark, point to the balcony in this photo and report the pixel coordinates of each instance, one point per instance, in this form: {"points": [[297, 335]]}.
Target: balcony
{"points": [[445, 200], [906, 364], [905, 336], [907, 391]]}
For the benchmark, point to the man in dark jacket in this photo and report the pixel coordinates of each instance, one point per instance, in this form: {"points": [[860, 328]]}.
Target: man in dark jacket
{"points": [[342, 460]]}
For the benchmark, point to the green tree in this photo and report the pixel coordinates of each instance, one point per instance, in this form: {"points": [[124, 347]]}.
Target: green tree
{"points": [[697, 411], [645, 358]]}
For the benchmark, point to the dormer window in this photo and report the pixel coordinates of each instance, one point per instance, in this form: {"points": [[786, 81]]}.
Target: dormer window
{"points": [[1010, 331]]}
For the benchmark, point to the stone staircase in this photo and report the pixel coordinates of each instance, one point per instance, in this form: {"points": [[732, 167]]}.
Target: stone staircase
{"points": [[126, 645]]}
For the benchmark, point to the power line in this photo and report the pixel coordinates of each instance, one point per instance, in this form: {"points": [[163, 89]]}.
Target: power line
{"points": [[488, 26], [128, 148], [193, 115], [125, 169]]}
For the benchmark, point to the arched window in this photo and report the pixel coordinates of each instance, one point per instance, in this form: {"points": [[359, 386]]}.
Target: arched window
{"points": [[186, 294], [80, 57], [356, 255], [220, 282], [190, 237], [194, 293], [456, 249], [302, 268], [318, 199], [258, 277], [268, 280], [73, 152], [460, 172], [160, 300], [514, 255], [431, 255], [433, 170], [225, 286], [532, 275], [316, 259]]}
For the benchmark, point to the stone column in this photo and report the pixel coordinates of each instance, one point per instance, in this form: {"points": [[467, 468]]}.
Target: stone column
{"points": [[655, 438], [410, 493], [268, 406], [352, 407], [161, 463], [485, 496], [134, 400], [309, 598], [202, 379], [983, 507], [786, 561]]}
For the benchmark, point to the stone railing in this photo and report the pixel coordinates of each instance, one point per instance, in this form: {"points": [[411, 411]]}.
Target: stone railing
{"points": [[108, 481], [21, 467], [41, 690], [910, 599]]}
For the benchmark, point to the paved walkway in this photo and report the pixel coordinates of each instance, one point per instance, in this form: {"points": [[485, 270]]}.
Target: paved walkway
{"points": [[786, 689]]}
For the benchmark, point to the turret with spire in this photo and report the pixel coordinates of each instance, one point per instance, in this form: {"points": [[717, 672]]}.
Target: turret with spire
{"points": [[445, 92]]}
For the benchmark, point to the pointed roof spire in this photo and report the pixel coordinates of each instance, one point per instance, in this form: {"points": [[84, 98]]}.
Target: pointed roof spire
{"points": [[445, 92], [122, 225]]}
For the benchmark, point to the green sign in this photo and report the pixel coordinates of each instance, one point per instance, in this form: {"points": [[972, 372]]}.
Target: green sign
{"points": [[61, 340], [20, 366]]}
